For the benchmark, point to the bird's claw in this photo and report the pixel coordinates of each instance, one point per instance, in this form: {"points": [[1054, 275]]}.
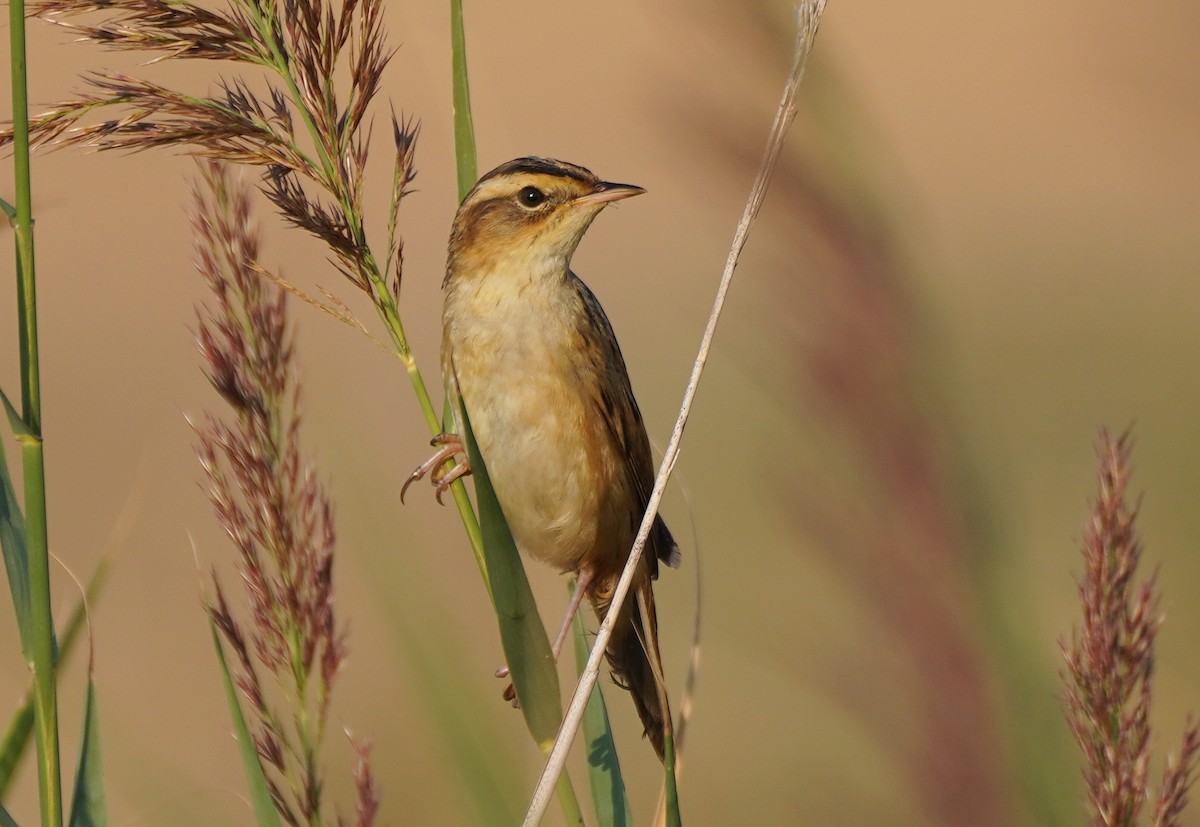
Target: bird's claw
{"points": [[449, 447], [510, 691], [443, 479]]}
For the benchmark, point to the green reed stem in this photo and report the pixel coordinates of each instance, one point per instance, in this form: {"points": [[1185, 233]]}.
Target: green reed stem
{"points": [[40, 651]]}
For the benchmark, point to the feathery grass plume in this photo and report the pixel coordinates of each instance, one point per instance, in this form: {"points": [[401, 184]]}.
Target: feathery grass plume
{"points": [[311, 48], [269, 500], [306, 128], [322, 62], [366, 799], [1110, 663]]}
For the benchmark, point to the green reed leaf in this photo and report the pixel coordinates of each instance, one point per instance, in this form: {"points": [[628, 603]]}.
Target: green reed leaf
{"points": [[464, 126], [16, 552], [16, 738], [604, 770], [87, 804], [526, 647], [265, 814]]}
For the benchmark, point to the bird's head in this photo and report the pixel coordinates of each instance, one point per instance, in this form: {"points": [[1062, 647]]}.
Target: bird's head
{"points": [[533, 208]]}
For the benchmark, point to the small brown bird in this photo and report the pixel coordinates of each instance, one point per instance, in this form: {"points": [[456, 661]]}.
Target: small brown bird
{"points": [[529, 351]]}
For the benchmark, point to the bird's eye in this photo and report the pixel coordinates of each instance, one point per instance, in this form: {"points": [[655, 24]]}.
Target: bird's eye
{"points": [[530, 197]]}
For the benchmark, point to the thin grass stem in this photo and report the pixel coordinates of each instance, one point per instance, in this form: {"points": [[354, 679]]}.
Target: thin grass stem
{"points": [[41, 654], [808, 19]]}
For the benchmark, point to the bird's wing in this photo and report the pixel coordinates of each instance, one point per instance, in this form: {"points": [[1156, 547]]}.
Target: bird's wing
{"points": [[619, 411]]}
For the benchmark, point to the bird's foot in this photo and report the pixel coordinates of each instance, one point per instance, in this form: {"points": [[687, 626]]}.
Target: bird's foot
{"points": [[449, 447], [584, 579], [510, 691]]}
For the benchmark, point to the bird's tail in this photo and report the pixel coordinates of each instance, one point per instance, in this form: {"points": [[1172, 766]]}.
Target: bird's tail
{"points": [[634, 658]]}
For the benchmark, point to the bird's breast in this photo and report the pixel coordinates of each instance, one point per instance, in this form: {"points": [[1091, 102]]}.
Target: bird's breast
{"points": [[528, 378]]}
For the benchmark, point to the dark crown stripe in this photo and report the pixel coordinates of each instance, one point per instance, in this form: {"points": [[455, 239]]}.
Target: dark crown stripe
{"points": [[541, 166]]}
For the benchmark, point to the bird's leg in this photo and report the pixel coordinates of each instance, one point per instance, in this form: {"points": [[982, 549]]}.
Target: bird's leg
{"points": [[584, 579], [449, 446]]}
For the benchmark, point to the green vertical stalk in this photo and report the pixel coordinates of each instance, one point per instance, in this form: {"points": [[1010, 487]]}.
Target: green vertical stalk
{"points": [[40, 652], [23, 225], [464, 125], [522, 634]]}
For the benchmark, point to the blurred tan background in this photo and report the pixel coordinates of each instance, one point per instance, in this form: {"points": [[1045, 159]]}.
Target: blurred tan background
{"points": [[981, 246]]}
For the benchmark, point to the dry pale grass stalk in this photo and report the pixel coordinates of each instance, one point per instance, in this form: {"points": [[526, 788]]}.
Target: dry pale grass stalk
{"points": [[269, 500], [808, 20], [1110, 663]]}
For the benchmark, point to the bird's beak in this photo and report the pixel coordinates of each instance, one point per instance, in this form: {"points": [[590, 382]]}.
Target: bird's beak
{"points": [[606, 192]]}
